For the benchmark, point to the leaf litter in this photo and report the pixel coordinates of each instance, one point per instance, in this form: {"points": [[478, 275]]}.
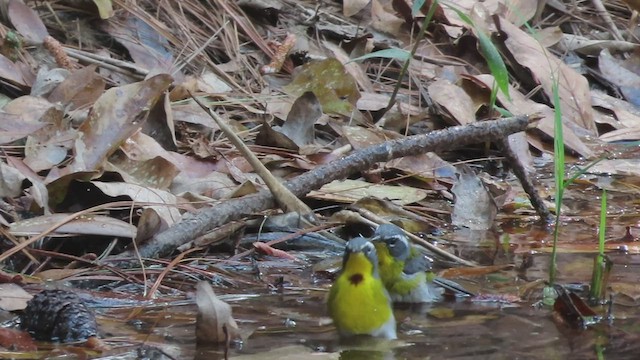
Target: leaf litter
{"points": [[97, 115]]}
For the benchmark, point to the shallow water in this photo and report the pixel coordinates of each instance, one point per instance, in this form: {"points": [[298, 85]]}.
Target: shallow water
{"points": [[279, 304], [291, 319]]}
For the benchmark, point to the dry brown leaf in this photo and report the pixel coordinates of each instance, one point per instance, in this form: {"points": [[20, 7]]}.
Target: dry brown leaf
{"points": [[301, 120], [620, 167], [30, 108], [144, 162], [516, 11], [48, 146], [335, 88], [81, 88], [349, 191], [593, 47], [627, 134], [150, 223], [191, 113], [147, 47], [360, 137], [26, 21], [385, 20], [521, 105], [47, 80], [370, 101], [214, 185], [38, 191], [142, 194], [427, 167], [269, 136], [626, 115], [634, 4], [214, 323], [14, 127], [116, 115], [519, 11], [10, 181], [352, 68], [622, 73], [457, 104], [352, 7], [87, 224], [547, 69], [60, 274]]}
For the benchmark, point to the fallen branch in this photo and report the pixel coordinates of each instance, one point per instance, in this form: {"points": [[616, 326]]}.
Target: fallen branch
{"points": [[201, 222]]}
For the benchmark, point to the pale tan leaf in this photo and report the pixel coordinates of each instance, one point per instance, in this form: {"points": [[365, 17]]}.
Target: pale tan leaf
{"points": [[86, 224], [352, 7], [349, 191], [13, 297], [454, 100], [105, 8], [214, 323], [140, 194]]}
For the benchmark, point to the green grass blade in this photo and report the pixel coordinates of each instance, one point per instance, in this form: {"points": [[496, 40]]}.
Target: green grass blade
{"points": [[393, 53]]}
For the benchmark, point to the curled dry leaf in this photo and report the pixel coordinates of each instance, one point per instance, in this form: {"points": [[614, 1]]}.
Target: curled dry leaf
{"points": [[298, 130], [299, 126], [214, 323]]}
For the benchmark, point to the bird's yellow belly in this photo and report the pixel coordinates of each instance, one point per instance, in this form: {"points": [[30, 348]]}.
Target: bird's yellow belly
{"points": [[359, 308]]}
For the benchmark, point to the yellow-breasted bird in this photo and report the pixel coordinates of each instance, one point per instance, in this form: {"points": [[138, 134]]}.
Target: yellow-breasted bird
{"points": [[358, 302], [403, 268]]}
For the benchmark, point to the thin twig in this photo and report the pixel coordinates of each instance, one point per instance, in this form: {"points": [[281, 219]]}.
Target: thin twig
{"points": [[284, 197]]}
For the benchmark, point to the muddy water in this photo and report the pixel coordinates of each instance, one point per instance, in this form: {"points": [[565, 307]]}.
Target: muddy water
{"points": [[289, 322], [279, 304]]}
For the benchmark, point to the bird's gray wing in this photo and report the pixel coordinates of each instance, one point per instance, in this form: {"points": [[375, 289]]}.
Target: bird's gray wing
{"points": [[416, 264]]}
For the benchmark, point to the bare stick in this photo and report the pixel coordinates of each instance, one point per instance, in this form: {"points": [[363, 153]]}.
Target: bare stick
{"points": [[286, 200]]}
